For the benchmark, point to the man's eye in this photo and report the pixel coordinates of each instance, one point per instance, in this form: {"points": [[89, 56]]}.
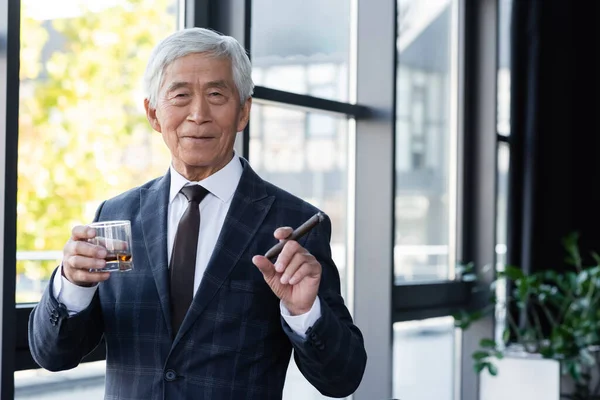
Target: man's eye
{"points": [[181, 95], [214, 94]]}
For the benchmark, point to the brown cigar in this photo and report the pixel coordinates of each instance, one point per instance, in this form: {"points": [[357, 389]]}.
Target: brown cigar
{"points": [[297, 234]]}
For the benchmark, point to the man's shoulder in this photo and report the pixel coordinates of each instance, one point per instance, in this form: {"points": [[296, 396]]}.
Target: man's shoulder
{"points": [[289, 201], [134, 192], [131, 196], [284, 201]]}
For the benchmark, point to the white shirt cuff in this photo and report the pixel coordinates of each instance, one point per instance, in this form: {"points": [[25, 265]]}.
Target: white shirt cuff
{"points": [[75, 298], [301, 323]]}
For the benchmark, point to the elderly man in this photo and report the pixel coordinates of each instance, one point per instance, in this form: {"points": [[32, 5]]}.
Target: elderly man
{"points": [[218, 321]]}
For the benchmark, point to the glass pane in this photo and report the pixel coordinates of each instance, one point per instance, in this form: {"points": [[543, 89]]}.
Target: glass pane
{"points": [[502, 202], [424, 359], [307, 155], [501, 236], [83, 382], [425, 140], [290, 53], [504, 23], [81, 108]]}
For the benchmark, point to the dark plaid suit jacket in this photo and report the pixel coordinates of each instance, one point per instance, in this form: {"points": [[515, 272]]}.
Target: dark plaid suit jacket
{"points": [[233, 343]]}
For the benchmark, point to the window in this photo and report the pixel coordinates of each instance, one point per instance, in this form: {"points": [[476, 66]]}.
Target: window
{"points": [[501, 237], [83, 134], [302, 46], [426, 198], [83, 137], [85, 381], [503, 148], [425, 140], [306, 154], [504, 24], [424, 359]]}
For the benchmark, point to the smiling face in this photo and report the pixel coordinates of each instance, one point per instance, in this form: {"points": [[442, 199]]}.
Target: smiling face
{"points": [[198, 113]]}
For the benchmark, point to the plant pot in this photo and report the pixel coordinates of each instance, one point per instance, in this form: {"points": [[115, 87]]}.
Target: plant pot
{"points": [[522, 376], [528, 376]]}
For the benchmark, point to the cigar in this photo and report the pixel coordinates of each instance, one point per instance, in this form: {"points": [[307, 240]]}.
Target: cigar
{"points": [[297, 234]]}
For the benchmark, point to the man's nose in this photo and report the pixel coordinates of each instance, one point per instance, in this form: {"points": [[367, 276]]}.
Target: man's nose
{"points": [[199, 111]]}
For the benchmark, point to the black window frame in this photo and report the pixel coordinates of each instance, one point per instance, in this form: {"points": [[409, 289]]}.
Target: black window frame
{"points": [[10, 14]]}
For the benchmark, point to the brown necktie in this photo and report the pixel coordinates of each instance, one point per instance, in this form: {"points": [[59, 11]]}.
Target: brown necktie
{"points": [[183, 256]]}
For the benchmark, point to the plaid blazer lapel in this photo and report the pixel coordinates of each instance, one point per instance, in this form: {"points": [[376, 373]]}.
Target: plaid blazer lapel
{"points": [[249, 207], [154, 203]]}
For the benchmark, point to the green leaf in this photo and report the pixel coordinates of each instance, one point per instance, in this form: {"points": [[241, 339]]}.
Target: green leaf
{"points": [[506, 335], [492, 369], [513, 273], [462, 268], [570, 244], [487, 343], [571, 280], [550, 276], [574, 370], [523, 291], [480, 355], [546, 352], [462, 319], [596, 257], [582, 277], [479, 366]]}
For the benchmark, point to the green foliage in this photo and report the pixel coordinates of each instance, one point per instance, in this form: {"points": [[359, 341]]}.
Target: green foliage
{"points": [[83, 135], [568, 303]]}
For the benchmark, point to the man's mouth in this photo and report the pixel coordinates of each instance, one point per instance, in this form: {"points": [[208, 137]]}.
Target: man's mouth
{"points": [[199, 138]]}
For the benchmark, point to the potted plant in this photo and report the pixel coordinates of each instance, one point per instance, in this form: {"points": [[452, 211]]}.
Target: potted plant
{"points": [[558, 319]]}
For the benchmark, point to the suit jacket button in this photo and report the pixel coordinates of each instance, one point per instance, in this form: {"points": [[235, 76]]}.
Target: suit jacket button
{"points": [[170, 375]]}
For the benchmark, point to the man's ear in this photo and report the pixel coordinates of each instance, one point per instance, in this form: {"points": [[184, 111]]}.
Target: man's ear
{"points": [[244, 115], [151, 115]]}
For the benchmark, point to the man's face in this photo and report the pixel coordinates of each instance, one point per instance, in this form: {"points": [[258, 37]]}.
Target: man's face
{"points": [[198, 112]]}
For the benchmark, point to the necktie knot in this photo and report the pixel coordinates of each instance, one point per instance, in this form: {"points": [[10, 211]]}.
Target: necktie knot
{"points": [[194, 193]]}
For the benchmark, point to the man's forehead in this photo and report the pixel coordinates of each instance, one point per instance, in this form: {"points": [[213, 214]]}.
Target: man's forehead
{"points": [[198, 69], [176, 84], [201, 61]]}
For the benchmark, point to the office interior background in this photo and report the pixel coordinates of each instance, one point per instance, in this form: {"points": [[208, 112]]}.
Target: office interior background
{"points": [[431, 131]]}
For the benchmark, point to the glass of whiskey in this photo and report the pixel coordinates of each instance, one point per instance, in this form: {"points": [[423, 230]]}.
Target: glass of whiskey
{"points": [[115, 236]]}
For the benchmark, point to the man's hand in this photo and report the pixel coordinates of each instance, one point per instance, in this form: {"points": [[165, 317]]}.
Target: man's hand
{"points": [[295, 277], [79, 256]]}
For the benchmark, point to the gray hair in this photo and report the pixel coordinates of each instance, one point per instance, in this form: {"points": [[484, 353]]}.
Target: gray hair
{"points": [[198, 40]]}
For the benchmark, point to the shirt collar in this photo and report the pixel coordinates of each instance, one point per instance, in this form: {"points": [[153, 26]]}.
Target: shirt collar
{"points": [[221, 184]]}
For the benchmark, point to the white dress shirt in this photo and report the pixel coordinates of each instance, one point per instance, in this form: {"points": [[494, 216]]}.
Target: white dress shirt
{"points": [[213, 210]]}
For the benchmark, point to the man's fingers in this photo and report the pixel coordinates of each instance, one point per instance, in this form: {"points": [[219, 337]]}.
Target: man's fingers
{"points": [[85, 263], [306, 270], [297, 261], [265, 266], [84, 249], [285, 257], [82, 232], [85, 252], [283, 233]]}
